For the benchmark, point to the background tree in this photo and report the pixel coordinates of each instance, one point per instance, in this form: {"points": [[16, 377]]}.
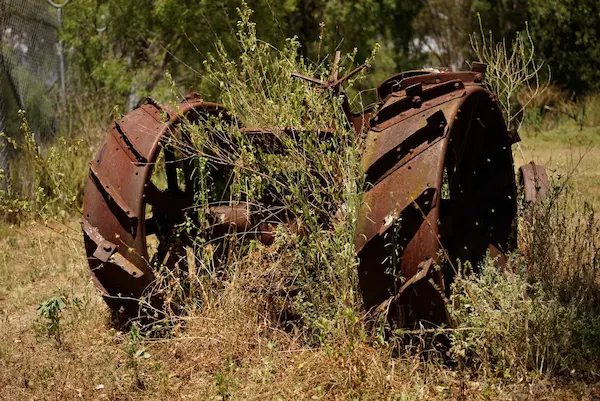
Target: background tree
{"points": [[567, 33], [123, 48], [443, 29]]}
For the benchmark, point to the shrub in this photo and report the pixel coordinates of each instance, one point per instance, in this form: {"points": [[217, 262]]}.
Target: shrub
{"points": [[541, 313], [51, 311], [49, 178], [303, 170], [513, 71]]}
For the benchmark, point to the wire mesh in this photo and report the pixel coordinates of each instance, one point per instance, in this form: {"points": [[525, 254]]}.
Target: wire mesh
{"points": [[30, 61]]}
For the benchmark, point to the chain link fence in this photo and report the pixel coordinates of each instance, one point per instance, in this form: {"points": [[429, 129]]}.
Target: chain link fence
{"points": [[30, 76]]}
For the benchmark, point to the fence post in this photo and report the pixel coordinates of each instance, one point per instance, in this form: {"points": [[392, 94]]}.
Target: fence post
{"points": [[4, 153], [60, 48]]}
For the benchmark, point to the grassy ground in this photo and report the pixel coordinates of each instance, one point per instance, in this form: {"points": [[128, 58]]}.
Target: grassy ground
{"points": [[566, 149], [529, 331], [230, 350], [225, 353]]}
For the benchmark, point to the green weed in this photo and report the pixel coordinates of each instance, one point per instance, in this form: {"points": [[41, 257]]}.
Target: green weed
{"points": [[299, 167], [540, 314], [51, 311], [49, 181], [135, 354]]}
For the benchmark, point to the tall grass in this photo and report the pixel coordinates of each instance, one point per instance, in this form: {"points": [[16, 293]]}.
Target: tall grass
{"points": [[46, 183], [299, 170], [48, 175], [540, 315]]}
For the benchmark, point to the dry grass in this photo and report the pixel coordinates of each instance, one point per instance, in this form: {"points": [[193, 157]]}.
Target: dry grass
{"points": [[235, 348], [565, 150], [232, 350]]}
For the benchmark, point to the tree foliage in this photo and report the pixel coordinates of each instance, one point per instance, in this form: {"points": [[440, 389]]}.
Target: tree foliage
{"points": [[125, 47], [122, 49], [567, 34]]}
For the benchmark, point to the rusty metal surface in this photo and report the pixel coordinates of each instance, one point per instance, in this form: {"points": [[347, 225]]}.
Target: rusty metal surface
{"points": [[116, 194], [439, 164], [534, 181], [440, 184]]}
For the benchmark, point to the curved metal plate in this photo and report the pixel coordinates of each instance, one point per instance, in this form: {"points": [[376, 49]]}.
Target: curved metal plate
{"points": [[114, 203]]}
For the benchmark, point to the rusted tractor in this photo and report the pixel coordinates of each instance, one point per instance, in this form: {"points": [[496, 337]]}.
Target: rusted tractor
{"points": [[440, 184]]}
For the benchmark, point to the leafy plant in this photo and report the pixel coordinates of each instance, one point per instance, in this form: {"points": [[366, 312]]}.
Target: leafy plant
{"points": [[225, 386], [48, 183], [135, 354], [540, 313], [52, 310], [301, 169]]}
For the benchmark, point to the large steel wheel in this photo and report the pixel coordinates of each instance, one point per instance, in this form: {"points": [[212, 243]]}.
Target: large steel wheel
{"points": [[440, 188], [140, 189]]}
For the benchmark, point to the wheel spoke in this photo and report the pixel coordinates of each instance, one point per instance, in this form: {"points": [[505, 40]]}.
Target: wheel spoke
{"points": [[169, 252], [169, 206], [151, 226]]}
